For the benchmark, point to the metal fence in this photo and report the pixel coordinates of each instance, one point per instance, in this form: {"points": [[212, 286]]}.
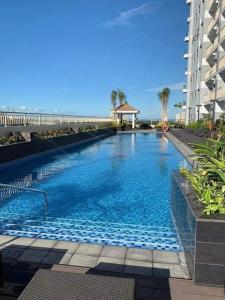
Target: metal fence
{"points": [[25, 119]]}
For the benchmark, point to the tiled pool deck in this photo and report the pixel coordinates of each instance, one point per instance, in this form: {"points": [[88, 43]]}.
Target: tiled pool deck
{"points": [[23, 256], [91, 255], [159, 275]]}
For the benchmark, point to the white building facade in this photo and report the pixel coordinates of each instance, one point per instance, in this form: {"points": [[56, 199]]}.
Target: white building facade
{"points": [[205, 56]]}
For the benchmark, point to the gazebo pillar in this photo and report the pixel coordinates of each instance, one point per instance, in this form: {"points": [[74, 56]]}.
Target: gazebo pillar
{"points": [[133, 120]]}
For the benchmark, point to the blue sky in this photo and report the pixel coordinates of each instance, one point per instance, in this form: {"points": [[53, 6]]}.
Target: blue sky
{"points": [[67, 55]]}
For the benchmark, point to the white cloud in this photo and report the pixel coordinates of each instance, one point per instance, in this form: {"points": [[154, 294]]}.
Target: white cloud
{"points": [[125, 16], [172, 86]]}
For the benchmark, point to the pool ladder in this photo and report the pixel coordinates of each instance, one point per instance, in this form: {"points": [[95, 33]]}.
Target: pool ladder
{"points": [[45, 195]]}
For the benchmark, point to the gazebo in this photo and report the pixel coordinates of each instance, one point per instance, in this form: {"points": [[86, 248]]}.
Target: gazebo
{"points": [[126, 109]]}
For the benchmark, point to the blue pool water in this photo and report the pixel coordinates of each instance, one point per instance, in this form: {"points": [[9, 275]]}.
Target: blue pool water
{"points": [[115, 191]]}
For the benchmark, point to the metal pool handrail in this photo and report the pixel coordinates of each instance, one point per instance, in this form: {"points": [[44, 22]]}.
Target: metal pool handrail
{"points": [[30, 190]]}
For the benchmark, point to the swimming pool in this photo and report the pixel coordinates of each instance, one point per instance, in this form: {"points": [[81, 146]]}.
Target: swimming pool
{"points": [[115, 191]]}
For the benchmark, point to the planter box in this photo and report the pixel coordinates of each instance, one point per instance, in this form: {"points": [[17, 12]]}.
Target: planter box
{"points": [[16, 151], [202, 237]]}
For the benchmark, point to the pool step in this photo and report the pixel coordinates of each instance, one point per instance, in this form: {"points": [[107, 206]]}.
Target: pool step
{"points": [[150, 237]]}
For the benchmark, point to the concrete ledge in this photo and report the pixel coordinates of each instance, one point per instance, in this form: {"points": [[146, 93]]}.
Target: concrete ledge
{"points": [[28, 150], [184, 149], [39, 128], [201, 236]]}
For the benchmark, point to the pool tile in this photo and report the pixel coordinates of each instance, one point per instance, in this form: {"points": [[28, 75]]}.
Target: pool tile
{"points": [[89, 249], [33, 255], [139, 254], [110, 264], [138, 267], [43, 243], [113, 251], [167, 270], [71, 247], [5, 239], [165, 257], [66, 259], [83, 261]]}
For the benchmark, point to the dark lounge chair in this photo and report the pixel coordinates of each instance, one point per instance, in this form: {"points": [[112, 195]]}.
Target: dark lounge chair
{"points": [[57, 285]]}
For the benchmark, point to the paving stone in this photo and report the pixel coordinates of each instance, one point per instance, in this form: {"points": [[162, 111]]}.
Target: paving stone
{"points": [[12, 252], [31, 255], [138, 267], [187, 296], [165, 257], [182, 258], [22, 241], [182, 285], [139, 254], [70, 269], [186, 273], [83, 261], [69, 246], [114, 252], [110, 264], [143, 293], [5, 239], [43, 243], [89, 249], [66, 259], [53, 257], [167, 270]]}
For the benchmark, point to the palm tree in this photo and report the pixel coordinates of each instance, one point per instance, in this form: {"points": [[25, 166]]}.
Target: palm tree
{"points": [[164, 99], [122, 97], [113, 99]]}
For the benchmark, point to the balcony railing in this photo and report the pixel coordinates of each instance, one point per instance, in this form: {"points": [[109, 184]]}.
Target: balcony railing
{"points": [[210, 73], [212, 47], [209, 97], [25, 119], [213, 21], [213, 6], [223, 5], [211, 3], [222, 63], [222, 34], [221, 93]]}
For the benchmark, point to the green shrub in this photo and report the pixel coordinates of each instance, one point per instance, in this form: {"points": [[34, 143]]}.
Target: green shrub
{"points": [[200, 124], [208, 180]]}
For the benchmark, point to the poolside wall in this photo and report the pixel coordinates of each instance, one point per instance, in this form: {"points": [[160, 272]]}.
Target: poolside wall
{"points": [[202, 237], [13, 152]]}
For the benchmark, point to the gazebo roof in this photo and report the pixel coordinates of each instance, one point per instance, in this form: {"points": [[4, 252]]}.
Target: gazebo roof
{"points": [[126, 108]]}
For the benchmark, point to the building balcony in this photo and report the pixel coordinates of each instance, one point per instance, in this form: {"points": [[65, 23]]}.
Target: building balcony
{"points": [[210, 73], [186, 55], [186, 38], [212, 47], [188, 2], [213, 30], [222, 37], [221, 93], [223, 8], [213, 6], [186, 73], [189, 19], [184, 90], [214, 20], [209, 97], [221, 69]]}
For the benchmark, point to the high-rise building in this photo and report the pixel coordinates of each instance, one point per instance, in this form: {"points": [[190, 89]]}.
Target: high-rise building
{"points": [[205, 59]]}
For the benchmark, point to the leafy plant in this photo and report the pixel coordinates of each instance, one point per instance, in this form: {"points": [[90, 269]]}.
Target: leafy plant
{"points": [[208, 180], [200, 124]]}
